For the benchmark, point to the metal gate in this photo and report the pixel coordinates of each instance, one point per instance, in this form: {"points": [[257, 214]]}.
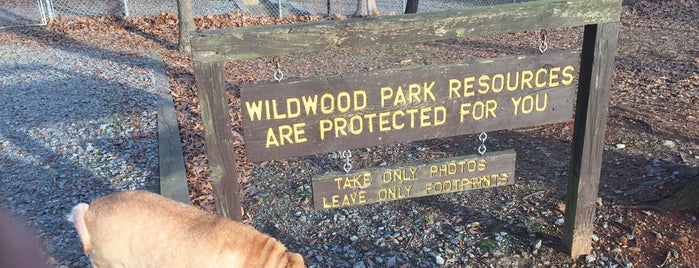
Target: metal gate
{"points": [[18, 13]]}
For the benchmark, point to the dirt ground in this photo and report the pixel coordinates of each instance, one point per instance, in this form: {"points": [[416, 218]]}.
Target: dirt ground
{"points": [[651, 146]]}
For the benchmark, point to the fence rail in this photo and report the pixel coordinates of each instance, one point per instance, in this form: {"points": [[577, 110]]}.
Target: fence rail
{"points": [[16, 13]]}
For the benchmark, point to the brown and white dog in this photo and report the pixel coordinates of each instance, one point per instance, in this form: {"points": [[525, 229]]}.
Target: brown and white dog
{"points": [[142, 229]]}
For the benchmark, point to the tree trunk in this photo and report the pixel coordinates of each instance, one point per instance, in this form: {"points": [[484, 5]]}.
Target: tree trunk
{"points": [[687, 198], [411, 6], [366, 8], [185, 14]]}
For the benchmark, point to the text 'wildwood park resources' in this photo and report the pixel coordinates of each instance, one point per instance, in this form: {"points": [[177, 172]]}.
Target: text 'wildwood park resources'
{"points": [[361, 110]]}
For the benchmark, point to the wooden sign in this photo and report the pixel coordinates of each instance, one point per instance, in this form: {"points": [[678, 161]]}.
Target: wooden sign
{"points": [[442, 176], [345, 112], [361, 110]]}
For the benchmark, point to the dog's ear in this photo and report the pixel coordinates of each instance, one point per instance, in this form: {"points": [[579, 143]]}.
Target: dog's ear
{"points": [[77, 217], [295, 260]]}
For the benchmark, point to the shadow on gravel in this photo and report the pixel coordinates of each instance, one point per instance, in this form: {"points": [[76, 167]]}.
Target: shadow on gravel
{"points": [[70, 131]]}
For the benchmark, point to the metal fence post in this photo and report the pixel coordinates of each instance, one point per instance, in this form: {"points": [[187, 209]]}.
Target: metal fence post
{"points": [[279, 6], [126, 8]]}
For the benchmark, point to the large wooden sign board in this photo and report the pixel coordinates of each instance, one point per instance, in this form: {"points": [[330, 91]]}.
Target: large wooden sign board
{"points": [[450, 175], [383, 107], [361, 110]]}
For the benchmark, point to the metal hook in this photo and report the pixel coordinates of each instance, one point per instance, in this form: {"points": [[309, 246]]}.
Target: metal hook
{"points": [[543, 45], [482, 137], [346, 155], [278, 74], [275, 61], [543, 35]]}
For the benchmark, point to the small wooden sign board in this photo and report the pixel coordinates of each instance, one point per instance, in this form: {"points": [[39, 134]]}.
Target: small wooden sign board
{"points": [[447, 175]]}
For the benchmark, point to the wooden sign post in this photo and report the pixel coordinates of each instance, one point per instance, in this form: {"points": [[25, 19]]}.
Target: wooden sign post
{"points": [[341, 116], [596, 68]]}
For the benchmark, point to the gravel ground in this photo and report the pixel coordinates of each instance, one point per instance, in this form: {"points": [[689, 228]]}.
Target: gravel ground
{"points": [[75, 124]]}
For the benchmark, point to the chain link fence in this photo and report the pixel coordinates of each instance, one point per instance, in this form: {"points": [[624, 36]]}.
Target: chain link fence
{"points": [[387, 7], [16, 13], [37, 12]]}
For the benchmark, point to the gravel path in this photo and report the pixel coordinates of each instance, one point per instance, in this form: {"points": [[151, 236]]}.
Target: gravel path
{"points": [[75, 124]]}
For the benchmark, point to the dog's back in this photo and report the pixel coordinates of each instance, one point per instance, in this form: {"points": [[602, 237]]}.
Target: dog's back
{"points": [[141, 229]]}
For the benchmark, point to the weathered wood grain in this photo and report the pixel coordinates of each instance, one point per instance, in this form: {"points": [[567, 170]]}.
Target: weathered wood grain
{"points": [[218, 137], [253, 42], [596, 69], [434, 115], [173, 182], [600, 18]]}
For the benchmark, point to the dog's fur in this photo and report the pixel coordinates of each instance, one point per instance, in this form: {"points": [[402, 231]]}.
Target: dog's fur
{"points": [[141, 229]]}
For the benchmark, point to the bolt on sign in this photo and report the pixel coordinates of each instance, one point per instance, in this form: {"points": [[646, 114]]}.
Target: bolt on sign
{"points": [[284, 119], [450, 175]]}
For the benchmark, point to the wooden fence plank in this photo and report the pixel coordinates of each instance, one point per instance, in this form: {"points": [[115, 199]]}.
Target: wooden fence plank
{"points": [[213, 101], [253, 42], [173, 181], [596, 68]]}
